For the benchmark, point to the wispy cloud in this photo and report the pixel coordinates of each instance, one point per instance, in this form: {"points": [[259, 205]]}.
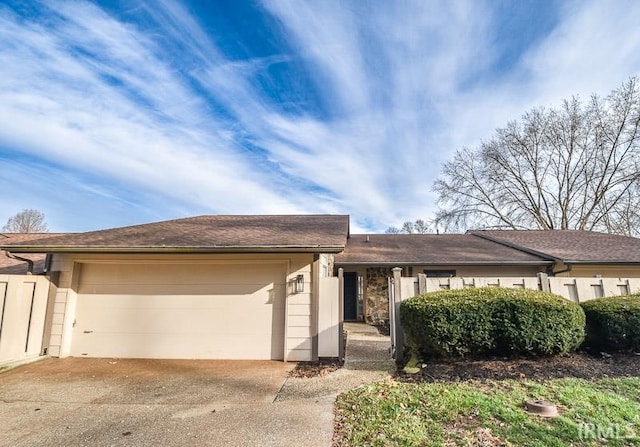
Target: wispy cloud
{"points": [[94, 94], [593, 50], [145, 112], [386, 69]]}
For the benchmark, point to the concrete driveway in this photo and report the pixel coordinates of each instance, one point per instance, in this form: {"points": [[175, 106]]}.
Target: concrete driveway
{"points": [[115, 402]]}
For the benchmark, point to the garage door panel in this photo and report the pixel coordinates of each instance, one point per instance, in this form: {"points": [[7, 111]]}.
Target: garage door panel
{"points": [[212, 317], [178, 320], [174, 274], [135, 345], [125, 302], [180, 301], [182, 289]]}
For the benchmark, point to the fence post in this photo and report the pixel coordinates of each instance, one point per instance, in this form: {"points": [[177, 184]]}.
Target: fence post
{"points": [[341, 346], [422, 283], [543, 280], [397, 298]]}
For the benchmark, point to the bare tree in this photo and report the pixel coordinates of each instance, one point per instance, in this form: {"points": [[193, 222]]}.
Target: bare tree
{"points": [[26, 221], [421, 227], [408, 227], [576, 167]]}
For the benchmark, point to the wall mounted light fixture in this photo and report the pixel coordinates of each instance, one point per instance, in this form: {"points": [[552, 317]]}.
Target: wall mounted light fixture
{"points": [[299, 287]]}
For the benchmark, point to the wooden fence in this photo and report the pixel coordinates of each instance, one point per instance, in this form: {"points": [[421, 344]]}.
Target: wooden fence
{"points": [[23, 311], [575, 289]]}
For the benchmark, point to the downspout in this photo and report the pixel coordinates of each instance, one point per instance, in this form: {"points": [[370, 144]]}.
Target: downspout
{"points": [[568, 269], [18, 258], [47, 263]]}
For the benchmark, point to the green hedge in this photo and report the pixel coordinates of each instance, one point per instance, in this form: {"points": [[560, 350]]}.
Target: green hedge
{"points": [[491, 321], [613, 324]]}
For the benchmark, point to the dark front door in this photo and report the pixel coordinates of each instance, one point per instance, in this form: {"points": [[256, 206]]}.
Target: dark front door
{"points": [[350, 296]]}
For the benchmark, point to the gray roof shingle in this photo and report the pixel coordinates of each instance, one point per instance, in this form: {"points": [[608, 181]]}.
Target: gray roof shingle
{"points": [[311, 233], [573, 246], [433, 249]]}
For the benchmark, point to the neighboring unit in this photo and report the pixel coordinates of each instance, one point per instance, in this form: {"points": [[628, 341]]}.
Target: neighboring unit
{"points": [[368, 259], [574, 252]]}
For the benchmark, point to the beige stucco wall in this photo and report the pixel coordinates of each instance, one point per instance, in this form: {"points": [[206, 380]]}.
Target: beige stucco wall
{"points": [[484, 270], [605, 271], [300, 318]]}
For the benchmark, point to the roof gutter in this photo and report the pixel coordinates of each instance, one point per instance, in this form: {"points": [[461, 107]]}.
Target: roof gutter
{"points": [[153, 249], [611, 262], [18, 258], [448, 263]]}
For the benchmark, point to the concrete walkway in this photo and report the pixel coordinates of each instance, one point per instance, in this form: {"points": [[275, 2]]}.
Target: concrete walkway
{"points": [[367, 360]]}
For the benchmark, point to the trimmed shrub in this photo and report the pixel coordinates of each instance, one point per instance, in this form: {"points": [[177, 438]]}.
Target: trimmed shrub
{"points": [[491, 321], [443, 324], [613, 324]]}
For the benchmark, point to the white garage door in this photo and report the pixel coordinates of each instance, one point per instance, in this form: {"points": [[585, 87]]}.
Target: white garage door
{"points": [[200, 311]]}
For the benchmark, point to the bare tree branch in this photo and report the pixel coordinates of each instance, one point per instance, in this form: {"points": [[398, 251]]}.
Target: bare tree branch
{"points": [[575, 167], [408, 227], [26, 221]]}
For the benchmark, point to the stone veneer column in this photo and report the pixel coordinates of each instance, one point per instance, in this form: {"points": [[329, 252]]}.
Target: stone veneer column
{"points": [[377, 295]]}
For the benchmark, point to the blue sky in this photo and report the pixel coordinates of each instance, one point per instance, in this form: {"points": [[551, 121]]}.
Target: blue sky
{"points": [[121, 112]]}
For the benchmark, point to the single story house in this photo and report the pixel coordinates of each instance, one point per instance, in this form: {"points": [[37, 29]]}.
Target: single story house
{"points": [[226, 287], [266, 287], [368, 259]]}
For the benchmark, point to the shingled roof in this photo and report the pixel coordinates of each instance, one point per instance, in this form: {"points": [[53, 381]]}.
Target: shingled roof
{"points": [[304, 233], [10, 266], [431, 249], [570, 246]]}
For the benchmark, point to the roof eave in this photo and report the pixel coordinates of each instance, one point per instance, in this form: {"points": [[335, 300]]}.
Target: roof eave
{"points": [[600, 262], [488, 263]]}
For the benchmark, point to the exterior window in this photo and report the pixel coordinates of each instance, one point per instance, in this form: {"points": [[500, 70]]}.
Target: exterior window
{"points": [[440, 273]]}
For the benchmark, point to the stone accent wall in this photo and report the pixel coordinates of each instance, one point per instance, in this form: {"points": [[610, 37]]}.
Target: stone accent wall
{"points": [[377, 295]]}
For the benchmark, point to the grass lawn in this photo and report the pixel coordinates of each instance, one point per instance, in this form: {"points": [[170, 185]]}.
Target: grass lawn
{"points": [[595, 412]]}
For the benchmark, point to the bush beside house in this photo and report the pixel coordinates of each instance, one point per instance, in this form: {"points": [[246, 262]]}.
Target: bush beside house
{"points": [[491, 321], [613, 324]]}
